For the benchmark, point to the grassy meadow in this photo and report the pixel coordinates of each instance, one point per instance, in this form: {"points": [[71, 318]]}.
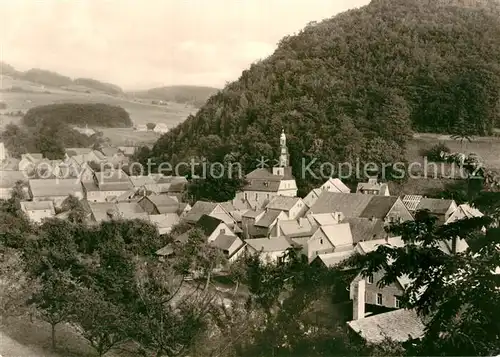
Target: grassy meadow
{"points": [[141, 111]]}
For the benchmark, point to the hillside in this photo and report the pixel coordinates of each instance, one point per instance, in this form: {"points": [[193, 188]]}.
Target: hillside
{"points": [[97, 85], [355, 85], [195, 95], [46, 78]]}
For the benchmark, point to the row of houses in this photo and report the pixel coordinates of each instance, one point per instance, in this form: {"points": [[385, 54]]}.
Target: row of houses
{"points": [[328, 225]]}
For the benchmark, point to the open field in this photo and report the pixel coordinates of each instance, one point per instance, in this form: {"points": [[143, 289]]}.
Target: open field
{"points": [[129, 136], [488, 148], [141, 112]]}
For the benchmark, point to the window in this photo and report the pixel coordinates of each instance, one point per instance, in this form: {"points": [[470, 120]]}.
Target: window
{"points": [[397, 302], [256, 196], [222, 231], [379, 299], [369, 280], [321, 241], [268, 196], [246, 197]]}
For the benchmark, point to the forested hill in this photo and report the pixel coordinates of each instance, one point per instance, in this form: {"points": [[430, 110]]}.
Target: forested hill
{"points": [[356, 84]]}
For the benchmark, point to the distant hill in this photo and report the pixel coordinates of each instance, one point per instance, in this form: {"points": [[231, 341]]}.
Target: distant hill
{"points": [[194, 95], [98, 85], [46, 78], [354, 87], [54, 79]]}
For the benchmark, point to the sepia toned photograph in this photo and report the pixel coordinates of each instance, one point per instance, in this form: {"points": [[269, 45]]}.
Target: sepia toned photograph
{"points": [[249, 178]]}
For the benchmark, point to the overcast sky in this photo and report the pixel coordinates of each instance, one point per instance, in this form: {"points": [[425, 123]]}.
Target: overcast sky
{"points": [[144, 43]]}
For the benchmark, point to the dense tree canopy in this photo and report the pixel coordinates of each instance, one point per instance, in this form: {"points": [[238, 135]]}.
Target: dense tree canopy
{"points": [[355, 82], [96, 114]]}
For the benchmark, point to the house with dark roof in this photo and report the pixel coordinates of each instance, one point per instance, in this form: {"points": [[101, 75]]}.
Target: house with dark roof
{"points": [[105, 211], [160, 204], [263, 185], [55, 190], [294, 228], [365, 229], [218, 234], [373, 187], [400, 325], [387, 208], [440, 208], [107, 186], [326, 239], [464, 211], [270, 250], [213, 209], [264, 225], [331, 185], [294, 207]]}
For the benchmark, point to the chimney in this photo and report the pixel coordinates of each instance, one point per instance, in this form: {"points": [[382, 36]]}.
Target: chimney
{"points": [[358, 301]]}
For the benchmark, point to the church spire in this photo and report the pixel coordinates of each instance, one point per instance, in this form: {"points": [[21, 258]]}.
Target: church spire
{"points": [[284, 157]]}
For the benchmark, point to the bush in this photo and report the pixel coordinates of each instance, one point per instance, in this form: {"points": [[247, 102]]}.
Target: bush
{"points": [[434, 153]]}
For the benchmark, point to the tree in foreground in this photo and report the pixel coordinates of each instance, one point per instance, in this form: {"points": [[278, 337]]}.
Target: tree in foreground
{"points": [[456, 295]]}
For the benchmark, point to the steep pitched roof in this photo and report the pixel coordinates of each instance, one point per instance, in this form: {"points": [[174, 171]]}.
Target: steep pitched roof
{"points": [[252, 213], [399, 325], [372, 186], [163, 203], [434, 205], [296, 228], [338, 234], [208, 224], [199, 209], [324, 219], [268, 218], [332, 259], [365, 229], [224, 242], [262, 185], [54, 187], [338, 185], [470, 212], [372, 245], [283, 203], [350, 204], [101, 210], [127, 208], [277, 244], [379, 206], [411, 202], [262, 174]]}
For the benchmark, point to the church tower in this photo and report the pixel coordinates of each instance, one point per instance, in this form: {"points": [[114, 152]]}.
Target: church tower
{"points": [[284, 158]]}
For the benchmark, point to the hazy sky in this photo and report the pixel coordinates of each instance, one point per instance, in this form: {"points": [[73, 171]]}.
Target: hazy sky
{"points": [[144, 43]]}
